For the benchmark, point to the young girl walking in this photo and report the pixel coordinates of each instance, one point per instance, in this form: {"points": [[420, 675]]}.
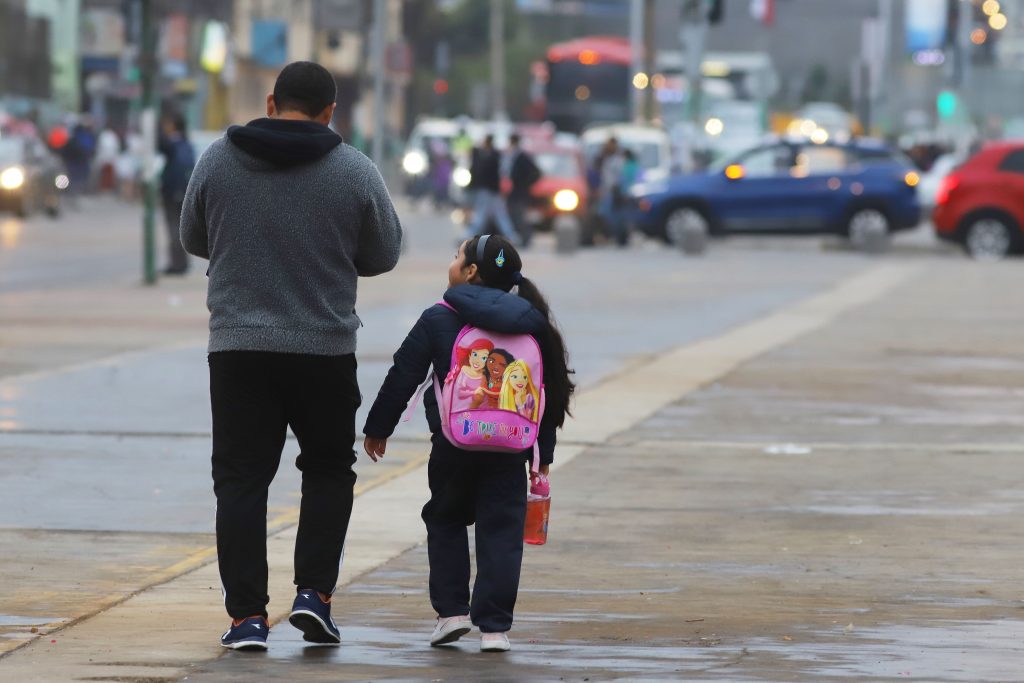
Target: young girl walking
{"points": [[482, 488]]}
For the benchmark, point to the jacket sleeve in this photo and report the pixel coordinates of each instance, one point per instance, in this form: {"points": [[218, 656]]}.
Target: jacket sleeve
{"points": [[546, 440], [194, 231], [380, 235], [412, 361]]}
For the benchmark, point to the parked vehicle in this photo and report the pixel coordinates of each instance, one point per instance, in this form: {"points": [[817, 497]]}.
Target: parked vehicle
{"points": [[980, 205], [931, 180], [788, 186], [823, 121], [416, 158], [562, 188], [652, 147], [31, 177], [730, 127]]}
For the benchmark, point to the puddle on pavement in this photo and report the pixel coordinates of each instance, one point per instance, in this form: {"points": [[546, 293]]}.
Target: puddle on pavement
{"points": [[610, 591], [371, 589], [12, 620], [904, 503], [940, 651], [733, 569]]}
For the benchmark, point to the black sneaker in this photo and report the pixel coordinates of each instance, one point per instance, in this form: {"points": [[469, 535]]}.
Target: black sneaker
{"points": [[247, 634], [312, 616]]}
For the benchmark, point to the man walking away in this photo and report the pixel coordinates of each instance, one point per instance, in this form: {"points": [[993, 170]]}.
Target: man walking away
{"points": [[289, 217], [523, 173], [180, 159], [485, 173]]}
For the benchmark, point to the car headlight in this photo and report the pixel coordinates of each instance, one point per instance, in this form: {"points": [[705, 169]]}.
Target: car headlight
{"points": [[414, 163], [12, 178], [566, 200], [462, 177]]}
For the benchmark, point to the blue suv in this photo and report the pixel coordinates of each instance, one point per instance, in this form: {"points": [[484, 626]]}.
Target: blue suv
{"points": [[789, 187]]}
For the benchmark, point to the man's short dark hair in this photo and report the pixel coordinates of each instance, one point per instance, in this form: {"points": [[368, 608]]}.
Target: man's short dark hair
{"points": [[305, 87], [514, 139]]}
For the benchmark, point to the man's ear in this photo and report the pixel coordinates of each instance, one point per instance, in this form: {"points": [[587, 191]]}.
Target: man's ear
{"points": [[326, 115], [271, 106]]}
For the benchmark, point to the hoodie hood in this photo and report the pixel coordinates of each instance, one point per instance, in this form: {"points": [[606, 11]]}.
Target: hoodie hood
{"points": [[284, 142], [495, 310]]}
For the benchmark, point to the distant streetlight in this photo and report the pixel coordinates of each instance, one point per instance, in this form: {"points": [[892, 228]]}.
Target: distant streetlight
{"points": [[582, 93], [979, 36], [998, 22], [640, 81], [991, 7]]}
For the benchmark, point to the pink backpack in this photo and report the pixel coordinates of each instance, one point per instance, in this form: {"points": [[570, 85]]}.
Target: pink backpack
{"points": [[493, 396]]}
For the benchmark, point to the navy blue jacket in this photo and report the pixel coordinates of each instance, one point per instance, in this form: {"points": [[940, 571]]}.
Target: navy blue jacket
{"points": [[430, 343]]}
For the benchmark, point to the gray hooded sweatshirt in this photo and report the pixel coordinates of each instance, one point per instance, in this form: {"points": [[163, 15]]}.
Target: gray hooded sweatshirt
{"points": [[289, 217]]}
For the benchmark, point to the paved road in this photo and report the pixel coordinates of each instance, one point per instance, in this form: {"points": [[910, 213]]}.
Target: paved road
{"points": [[104, 434]]}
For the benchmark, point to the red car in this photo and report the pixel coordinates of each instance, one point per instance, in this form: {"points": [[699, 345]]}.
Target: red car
{"points": [[562, 187], [980, 205]]}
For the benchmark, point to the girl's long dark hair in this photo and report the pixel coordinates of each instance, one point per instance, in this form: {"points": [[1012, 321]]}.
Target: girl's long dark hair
{"points": [[558, 384]]}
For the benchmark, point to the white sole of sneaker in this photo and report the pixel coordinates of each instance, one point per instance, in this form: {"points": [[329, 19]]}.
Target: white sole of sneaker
{"points": [[450, 636], [498, 646], [313, 628]]}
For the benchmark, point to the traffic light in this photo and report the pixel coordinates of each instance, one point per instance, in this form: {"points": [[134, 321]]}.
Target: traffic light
{"points": [[945, 104]]}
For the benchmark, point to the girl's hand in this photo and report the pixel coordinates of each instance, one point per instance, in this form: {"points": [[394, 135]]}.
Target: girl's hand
{"points": [[375, 447], [544, 469]]}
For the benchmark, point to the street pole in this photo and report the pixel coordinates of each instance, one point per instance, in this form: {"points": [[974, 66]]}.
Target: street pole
{"points": [[148, 129], [650, 47], [498, 112], [380, 27], [636, 40], [693, 34], [883, 109]]}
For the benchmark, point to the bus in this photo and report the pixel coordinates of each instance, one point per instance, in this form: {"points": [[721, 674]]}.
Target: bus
{"points": [[588, 82]]}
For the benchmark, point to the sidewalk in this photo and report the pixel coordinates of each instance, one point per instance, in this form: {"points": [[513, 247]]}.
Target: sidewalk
{"points": [[829, 492], [844, 507]]}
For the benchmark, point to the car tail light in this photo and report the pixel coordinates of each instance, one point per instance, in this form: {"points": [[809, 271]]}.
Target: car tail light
{"points": [[946, 187]]}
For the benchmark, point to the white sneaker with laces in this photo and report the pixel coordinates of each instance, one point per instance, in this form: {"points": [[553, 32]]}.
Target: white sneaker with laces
{"points": [[450, 629], [494, 642]]}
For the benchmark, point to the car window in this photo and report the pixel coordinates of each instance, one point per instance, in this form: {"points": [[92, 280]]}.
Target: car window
{"points": [[1013, 162], [818, 160], [767, 162], [558, 165], [12, 151]]}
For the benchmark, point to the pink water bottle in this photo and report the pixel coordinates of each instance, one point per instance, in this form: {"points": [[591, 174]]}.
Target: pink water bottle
{"points": [[538, 506]]}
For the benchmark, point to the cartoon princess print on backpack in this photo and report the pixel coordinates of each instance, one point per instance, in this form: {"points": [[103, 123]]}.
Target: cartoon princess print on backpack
{"points": [[489, 394], [493, 398], [468, 372], [518, 392]]}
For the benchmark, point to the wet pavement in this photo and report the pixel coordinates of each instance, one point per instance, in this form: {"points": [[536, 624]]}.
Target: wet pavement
{"points": [[842, 506], [833, 510]]}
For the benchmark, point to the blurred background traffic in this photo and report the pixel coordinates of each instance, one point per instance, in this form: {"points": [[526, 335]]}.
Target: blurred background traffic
{"points": [[675, 120]]}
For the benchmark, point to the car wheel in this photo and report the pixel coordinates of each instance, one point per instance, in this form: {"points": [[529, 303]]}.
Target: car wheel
{"points": [[687, 228], [989, 238], [868, 230]]}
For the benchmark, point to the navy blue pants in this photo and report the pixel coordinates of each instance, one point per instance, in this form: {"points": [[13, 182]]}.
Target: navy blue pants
{"points": [[475, 488], [255, 398]]}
